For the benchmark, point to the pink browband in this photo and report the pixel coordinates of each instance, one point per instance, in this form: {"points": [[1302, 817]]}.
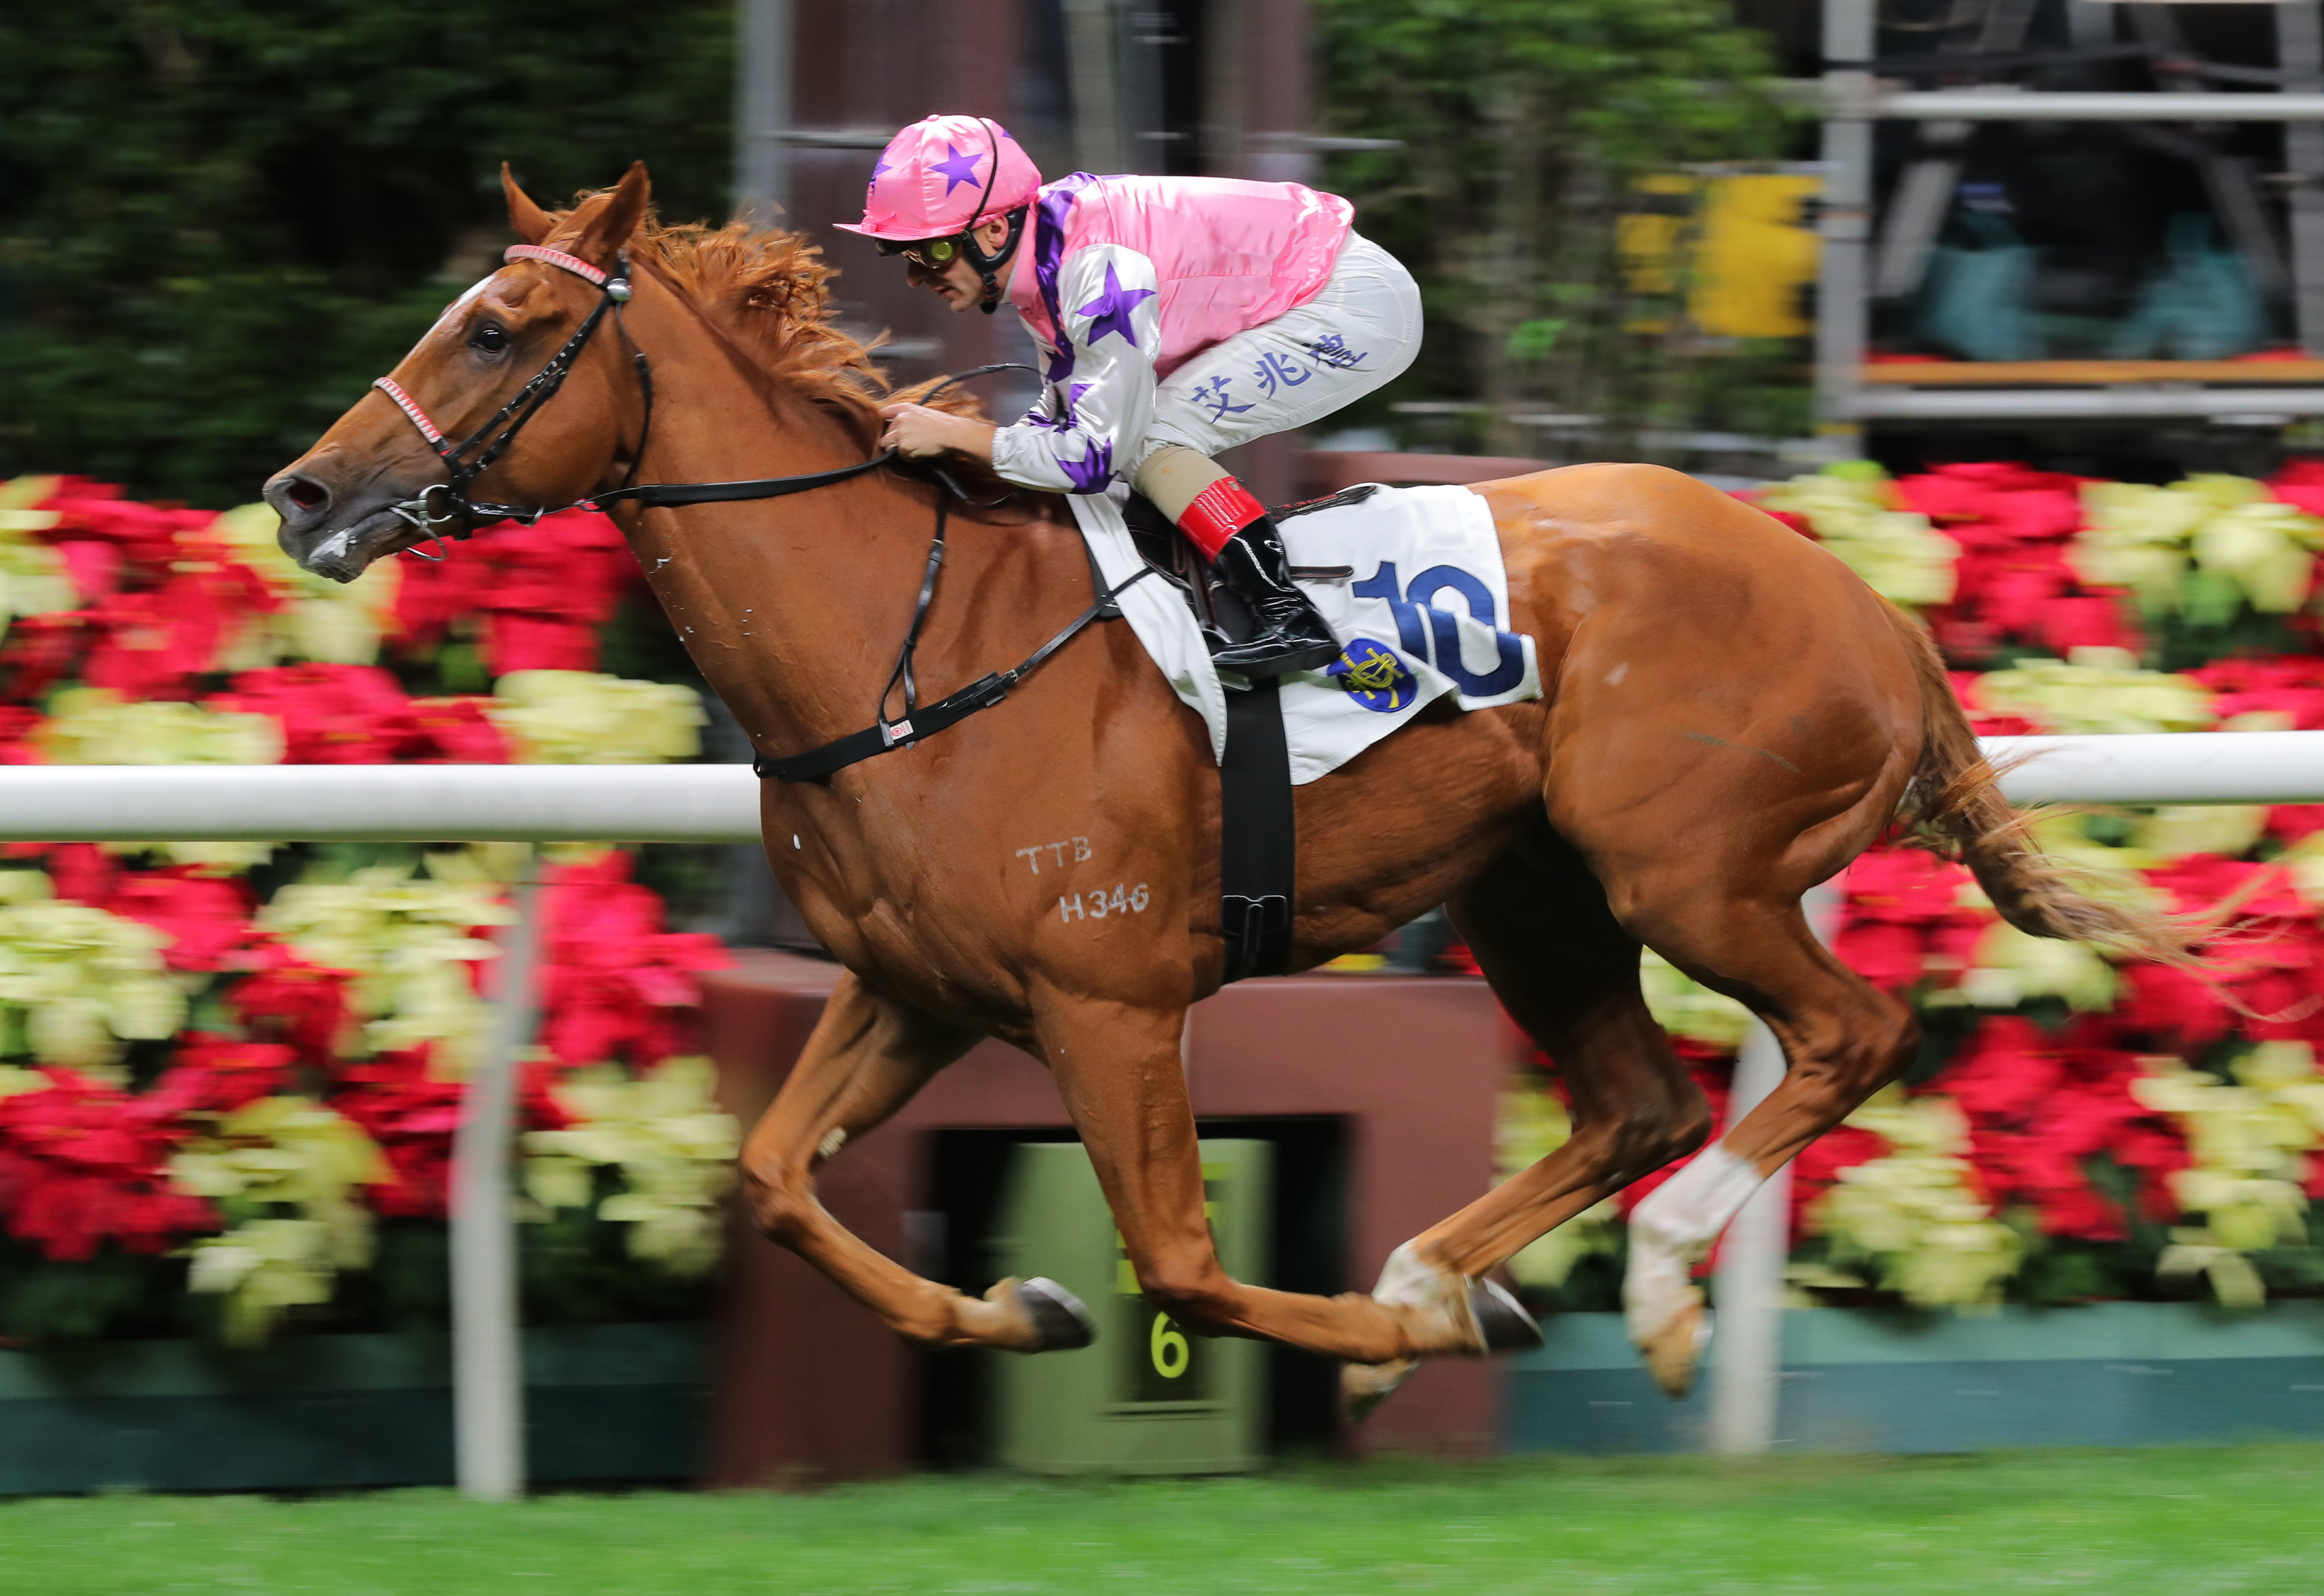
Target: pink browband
{"points": [[556, 257], [515, 252]]}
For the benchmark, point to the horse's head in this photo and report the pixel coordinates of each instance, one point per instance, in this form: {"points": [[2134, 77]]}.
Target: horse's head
{"points": [[339, 501]]}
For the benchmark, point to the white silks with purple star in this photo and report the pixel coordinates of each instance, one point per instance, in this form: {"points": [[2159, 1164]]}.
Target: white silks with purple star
{"points": [[1424, 613], [1098, 405]]}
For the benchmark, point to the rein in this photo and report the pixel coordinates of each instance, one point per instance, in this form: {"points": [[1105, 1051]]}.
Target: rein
{"points": [[461, 514]]}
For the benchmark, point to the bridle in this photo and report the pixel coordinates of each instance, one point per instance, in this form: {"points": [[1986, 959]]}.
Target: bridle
{"points": [[444, 509], [490, 441]]}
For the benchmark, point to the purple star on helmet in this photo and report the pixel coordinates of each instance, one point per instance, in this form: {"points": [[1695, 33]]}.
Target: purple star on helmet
{"points": [[1110, 310], [1093, 471], [961, 169], [880, 165]]}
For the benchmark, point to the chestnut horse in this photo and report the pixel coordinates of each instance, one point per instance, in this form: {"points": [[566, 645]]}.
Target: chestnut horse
{"points": [[1729, 717]]}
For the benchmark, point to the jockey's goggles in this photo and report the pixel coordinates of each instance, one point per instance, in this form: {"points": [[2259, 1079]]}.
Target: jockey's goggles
{"points": [[933, 254]]}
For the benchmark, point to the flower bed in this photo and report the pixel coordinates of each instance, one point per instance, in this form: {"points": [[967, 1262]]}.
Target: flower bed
{"points": [[229, 1074], [2074, 1129]]}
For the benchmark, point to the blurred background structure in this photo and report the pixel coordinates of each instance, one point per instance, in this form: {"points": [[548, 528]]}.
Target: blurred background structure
{"points": [[2047, 372]]}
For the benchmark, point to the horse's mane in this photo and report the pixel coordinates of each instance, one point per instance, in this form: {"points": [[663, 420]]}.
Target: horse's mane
{"points": [[767, 293]]}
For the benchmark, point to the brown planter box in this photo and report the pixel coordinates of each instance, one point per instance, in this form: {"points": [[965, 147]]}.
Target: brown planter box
{"points": [[810, 1385]]}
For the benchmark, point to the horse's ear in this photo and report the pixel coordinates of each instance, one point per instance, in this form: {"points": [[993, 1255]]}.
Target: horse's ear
{"points": [[529, 222], [611, 228]]}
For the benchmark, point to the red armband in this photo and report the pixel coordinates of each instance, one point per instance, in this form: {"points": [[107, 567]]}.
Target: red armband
{"points": [[1218, 513]]}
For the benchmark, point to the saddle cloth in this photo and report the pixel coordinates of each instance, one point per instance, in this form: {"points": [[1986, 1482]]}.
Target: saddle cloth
{"points": [[1419, 615]]}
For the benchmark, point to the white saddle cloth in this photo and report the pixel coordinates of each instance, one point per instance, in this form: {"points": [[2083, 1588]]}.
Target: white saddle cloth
{"points": [[1421, 616]]}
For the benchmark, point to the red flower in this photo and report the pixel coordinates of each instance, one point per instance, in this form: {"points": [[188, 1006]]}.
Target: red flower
{"points": [[205, 916], [451, 732], [83, 873], [540, 592], [17, 724], [2176, 1011], [616, 983], [1891, 957], [302, 1005], [1904, 920], [2013, 579], [2300, 483], [82, 1164], [2040, 1106], [331, 714], [2289, 823], [100, 532], [215, 1074], [1997, 501], [412, 1114], [2287, 685], [152, 644], [537, 642], [1819, 1166]]}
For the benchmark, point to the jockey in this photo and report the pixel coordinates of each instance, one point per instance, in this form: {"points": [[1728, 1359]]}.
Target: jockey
{"points": [[1176, 318]]}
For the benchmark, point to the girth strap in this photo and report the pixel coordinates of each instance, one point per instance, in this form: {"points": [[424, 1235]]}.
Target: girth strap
{"points": [[1259, 836]]}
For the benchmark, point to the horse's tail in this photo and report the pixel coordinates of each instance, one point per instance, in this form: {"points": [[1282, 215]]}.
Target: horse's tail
{"points": [[1955, 800]]}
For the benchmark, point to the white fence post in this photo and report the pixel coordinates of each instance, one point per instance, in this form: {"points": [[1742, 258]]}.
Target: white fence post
{"points": [[1747, 1347], [487, 1371]]}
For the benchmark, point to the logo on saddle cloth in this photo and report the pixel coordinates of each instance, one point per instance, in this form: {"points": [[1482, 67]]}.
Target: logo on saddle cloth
{"points": [[1371, 674]]}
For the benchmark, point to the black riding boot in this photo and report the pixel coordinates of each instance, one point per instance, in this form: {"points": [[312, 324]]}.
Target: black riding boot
{"points": [[1289, 634]]}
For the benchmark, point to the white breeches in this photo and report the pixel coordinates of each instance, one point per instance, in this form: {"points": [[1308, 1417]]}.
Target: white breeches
{"points": [[1361, 331]]}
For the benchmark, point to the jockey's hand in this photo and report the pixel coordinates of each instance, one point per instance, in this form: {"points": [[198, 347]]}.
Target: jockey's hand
{"points": [[915, 430]]}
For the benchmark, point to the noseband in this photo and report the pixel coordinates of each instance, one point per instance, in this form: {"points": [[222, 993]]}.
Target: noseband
{"points": [[444, 509]]}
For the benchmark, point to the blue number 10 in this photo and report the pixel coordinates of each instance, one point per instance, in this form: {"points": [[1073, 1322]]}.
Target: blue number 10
{"points": [[1407, 605]]}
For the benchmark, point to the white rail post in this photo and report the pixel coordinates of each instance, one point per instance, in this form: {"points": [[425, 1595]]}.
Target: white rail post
{"points": [[1842, 317], [487, 1371], [762, 108], [1746, 1351]]}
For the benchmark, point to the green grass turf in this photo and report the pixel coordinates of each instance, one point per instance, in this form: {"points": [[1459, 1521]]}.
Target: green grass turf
{"points": [[2181, 1521]]}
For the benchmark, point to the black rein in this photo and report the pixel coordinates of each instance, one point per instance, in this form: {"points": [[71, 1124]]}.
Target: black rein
{"points": [[463, 515]]}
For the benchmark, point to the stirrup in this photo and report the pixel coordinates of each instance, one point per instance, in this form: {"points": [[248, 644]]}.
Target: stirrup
{"points": [[1277, 652]]}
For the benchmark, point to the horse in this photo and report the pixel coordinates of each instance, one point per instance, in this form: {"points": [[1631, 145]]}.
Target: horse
{"points": [[1728, 716]]}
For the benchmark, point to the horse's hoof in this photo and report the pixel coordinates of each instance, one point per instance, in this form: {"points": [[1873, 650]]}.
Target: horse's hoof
{"points": [[1365, 1385], [1060, 1323], [1673, 1352], [1501, 1319]]}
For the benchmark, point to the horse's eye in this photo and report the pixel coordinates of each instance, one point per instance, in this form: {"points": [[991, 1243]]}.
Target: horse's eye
{"points": [[490, 338]]}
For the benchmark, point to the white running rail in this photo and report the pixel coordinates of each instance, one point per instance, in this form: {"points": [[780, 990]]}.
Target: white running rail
{"points": [[720, 803]]}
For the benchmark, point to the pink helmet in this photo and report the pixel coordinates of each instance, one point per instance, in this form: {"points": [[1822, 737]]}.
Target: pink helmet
{"points": [[942, 176]]}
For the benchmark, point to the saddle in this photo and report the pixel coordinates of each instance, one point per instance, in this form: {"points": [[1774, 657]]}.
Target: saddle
{"points": [[1173, 557]]}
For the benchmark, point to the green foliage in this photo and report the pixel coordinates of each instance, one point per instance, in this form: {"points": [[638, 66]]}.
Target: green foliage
{"points": [[1525, 126], [219, 220], [115, 1293]]}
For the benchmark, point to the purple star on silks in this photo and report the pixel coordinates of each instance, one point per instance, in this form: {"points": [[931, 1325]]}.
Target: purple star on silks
{"points": [[1111, 309], [1093, 471], [961, 169]]}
